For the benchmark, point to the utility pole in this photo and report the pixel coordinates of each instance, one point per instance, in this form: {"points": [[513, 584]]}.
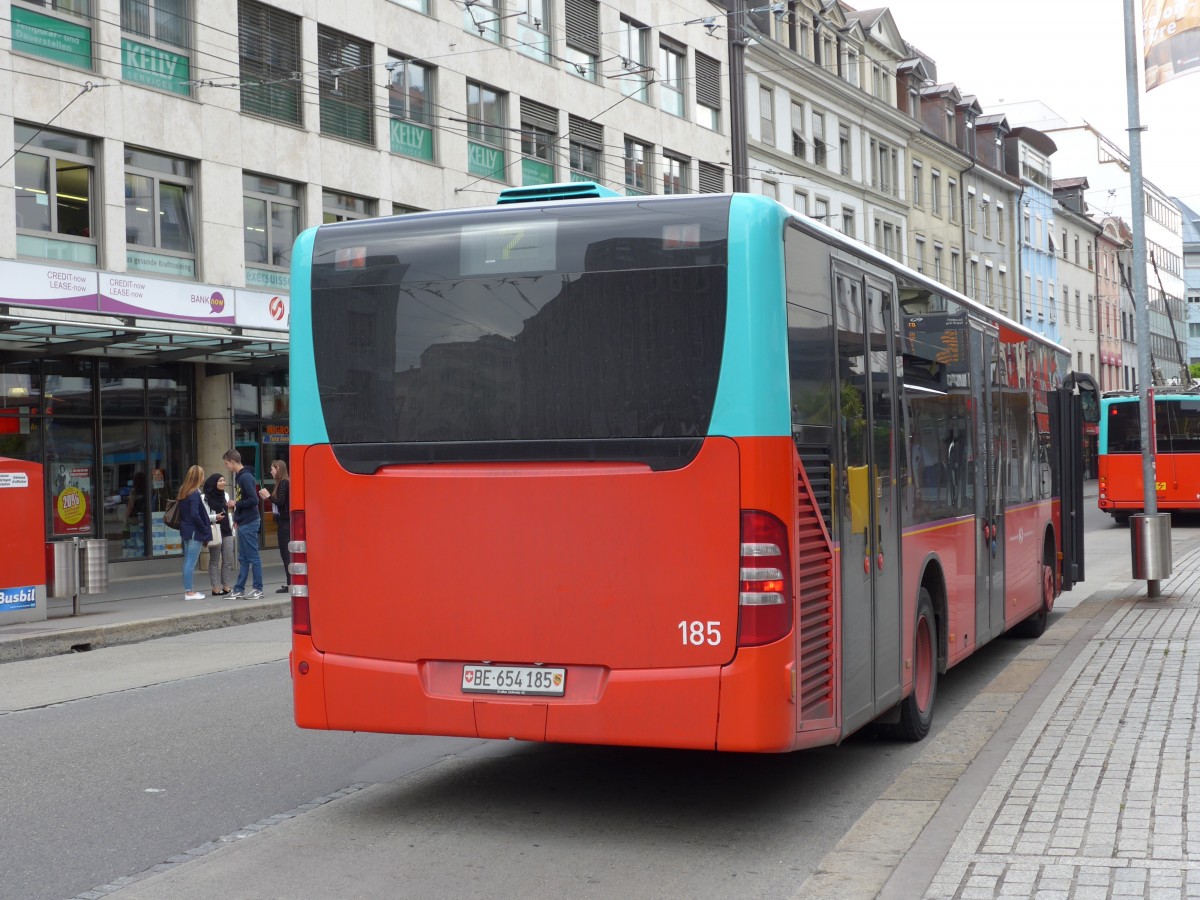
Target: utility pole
{"points": [[1150, 533], [737, 97]]}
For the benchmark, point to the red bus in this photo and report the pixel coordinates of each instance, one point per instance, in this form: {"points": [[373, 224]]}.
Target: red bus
{"points": [[1177, 453], [689, 472]]}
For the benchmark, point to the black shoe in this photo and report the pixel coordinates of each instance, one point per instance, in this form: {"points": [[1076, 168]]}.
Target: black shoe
{"points": [[282, 590]]}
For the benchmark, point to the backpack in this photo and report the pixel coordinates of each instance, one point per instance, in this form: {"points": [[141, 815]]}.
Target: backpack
{"points": [[172, 515]]}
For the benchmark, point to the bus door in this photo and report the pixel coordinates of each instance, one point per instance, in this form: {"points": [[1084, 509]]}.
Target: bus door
{"points": [[990, 367], [868, 517]]}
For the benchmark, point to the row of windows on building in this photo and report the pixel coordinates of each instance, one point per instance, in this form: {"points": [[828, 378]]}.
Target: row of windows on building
{"points": [[58, 204], [271, 61]]}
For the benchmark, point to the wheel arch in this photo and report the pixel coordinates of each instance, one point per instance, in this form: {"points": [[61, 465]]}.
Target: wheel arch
{"points": [[1050, 556], [933, 579]]}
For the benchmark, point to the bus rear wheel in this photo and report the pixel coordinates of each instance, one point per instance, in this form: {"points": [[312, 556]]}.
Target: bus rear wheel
{"points": [[916, 710]]}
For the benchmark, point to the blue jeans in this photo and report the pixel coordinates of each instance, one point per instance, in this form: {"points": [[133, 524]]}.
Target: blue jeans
{"points": [[191, 553], [247, 539]]}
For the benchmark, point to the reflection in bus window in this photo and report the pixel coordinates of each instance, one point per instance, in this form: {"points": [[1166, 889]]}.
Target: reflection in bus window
{"points": [[937, 388]]}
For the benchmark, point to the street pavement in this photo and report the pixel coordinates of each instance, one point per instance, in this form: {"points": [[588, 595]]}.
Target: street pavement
{"points": [[1069, 776]]}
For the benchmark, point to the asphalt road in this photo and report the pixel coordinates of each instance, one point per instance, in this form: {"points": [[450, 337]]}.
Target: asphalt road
{"points": [[125, 758]]}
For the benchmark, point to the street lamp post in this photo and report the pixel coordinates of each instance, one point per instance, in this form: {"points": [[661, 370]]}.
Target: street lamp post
{"points": [[1150, 533], [738, 155]]}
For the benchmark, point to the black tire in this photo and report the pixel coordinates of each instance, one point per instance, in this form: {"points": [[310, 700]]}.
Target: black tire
{"points": [[1121, 519], [916, 710]]}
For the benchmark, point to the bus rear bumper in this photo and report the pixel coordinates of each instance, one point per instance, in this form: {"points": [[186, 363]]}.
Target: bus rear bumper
{"points": [[641, 707]]}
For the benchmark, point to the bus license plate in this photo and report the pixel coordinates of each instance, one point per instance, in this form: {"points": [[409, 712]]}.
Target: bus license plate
{"points": [[522, 680]]}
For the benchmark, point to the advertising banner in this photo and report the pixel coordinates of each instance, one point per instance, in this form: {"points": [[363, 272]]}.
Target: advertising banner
{"points": [[132, 295], [156, 67], [18, 598], [23, 284], [71, 490], [259, 310], [56, 39], [1171, 38]]}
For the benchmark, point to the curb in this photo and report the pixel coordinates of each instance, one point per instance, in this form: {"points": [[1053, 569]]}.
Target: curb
{"points": [[94, 637]]}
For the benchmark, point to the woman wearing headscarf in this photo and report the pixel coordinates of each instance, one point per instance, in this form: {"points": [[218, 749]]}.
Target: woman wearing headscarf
{"points": [[221, 562]]}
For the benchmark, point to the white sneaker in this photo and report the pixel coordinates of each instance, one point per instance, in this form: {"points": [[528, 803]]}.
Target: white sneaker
{"points": [[193, 595], [255, 594]]}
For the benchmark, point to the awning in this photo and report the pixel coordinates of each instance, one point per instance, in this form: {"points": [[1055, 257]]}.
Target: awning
{"points": [[35, 333]]}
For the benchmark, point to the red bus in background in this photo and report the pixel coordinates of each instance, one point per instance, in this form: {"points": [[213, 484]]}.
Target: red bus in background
{"points": [[1176, 429]]}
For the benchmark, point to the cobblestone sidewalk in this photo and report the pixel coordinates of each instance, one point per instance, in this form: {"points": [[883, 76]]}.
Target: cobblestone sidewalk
{"points": [[1100, 795]]}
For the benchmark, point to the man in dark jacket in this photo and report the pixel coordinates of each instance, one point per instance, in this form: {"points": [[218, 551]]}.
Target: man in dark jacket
{"points": [[246, 520]]}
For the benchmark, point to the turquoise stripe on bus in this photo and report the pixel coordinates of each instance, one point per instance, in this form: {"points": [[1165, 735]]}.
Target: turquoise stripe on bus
{"points": [[308, 420], [752, 393]]}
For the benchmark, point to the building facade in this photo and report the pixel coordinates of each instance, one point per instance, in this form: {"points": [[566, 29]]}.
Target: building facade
{"points": [[1077, 271], [1084, 150], [165, 155], [1113, 307], [1190, 222], [1027, 155], [825, 136]]}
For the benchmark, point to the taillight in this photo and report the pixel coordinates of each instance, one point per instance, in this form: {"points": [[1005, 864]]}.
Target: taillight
{"points": [[765, 590], [298, 547]]}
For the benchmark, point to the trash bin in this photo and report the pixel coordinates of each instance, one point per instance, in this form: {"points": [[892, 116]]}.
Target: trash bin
{"points": [[63, 569], [93, 566], [1150, 540]]}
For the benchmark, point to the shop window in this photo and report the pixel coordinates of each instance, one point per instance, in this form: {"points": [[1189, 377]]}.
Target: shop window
{"points": [[271, 221], [159, 202], [154, 32], [68, 387], [55, 175], [344, 76], [146, 444], [268, 62], [168, 392], [20, 401], [338, 207]]}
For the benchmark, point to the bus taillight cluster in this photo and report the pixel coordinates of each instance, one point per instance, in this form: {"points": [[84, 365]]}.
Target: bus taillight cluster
{"points": [[301, 621], [765, 590]]}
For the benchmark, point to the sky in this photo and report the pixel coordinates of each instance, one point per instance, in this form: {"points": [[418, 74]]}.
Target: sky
{"points": [[1068, 55]]}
